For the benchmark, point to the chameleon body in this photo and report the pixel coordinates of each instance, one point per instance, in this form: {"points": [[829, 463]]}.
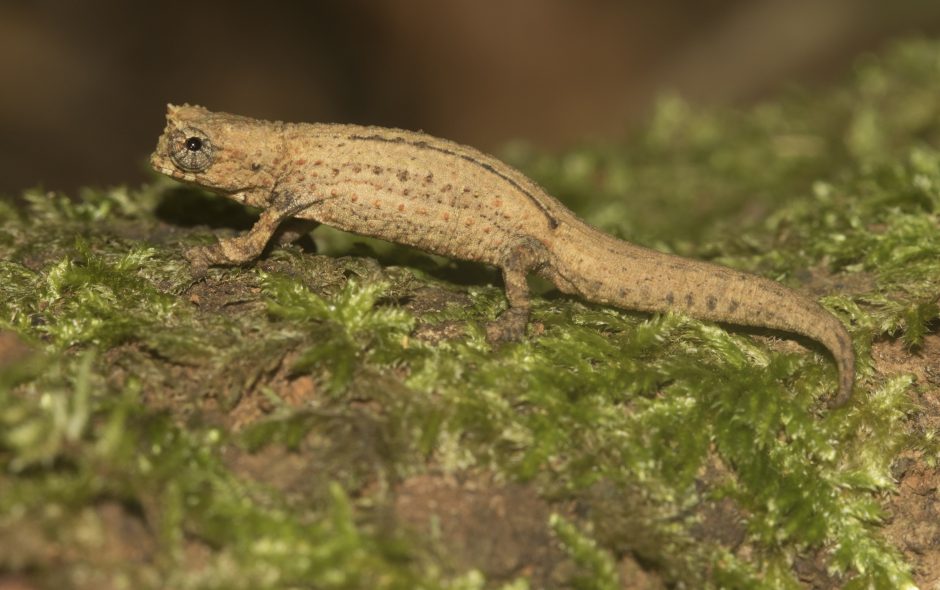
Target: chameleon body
{"points": [[453, 200]]}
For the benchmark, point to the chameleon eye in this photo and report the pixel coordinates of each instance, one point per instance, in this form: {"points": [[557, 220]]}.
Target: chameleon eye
{"points": [[191, 150]]}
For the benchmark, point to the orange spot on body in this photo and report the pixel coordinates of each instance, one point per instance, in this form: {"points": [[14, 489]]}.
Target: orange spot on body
{"points": [[354, 198], [401, 206], [377, 204], [445, 216], [497, 202], [300, 162]]}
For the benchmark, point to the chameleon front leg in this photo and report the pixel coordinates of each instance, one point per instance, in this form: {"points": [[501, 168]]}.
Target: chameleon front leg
{"points": [[242, 248], [522, 259]]}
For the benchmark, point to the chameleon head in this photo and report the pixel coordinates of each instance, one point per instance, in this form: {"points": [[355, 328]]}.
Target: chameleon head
{"points": [[218, 151]]}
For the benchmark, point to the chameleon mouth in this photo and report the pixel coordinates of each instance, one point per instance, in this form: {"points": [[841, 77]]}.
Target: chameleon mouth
{"points": [[187, 177], [170, 171], [157, 164]]}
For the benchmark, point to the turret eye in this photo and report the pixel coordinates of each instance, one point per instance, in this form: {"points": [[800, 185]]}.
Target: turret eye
{"points": [[191, 150]]}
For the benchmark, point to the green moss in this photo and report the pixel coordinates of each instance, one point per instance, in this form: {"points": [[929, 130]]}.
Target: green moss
{"points": [[647, 424], [69, 441], [598, 567], [352, 331]]}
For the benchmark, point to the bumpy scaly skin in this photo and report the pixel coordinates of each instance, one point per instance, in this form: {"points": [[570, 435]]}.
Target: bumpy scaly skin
{"points": [[453, 200]]}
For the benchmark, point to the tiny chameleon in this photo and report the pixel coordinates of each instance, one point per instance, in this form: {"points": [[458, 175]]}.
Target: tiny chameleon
{"points": [[453, 200]]}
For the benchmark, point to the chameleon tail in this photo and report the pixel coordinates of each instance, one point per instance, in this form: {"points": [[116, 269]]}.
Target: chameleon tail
{"points": [[608, 271]]}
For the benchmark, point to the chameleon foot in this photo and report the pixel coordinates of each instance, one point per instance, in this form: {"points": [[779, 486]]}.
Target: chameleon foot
{"points": [[508, 327], [200, 258]]}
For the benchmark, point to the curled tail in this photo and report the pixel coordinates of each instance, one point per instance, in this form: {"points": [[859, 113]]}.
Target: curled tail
{"points": [[830, 332], [609, 271]]}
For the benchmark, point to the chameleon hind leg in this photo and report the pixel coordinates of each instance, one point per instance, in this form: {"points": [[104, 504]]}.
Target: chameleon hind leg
{"points": [[525, 257]]}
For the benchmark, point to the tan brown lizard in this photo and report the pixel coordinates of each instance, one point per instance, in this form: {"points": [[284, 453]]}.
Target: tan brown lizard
{"points": [[453, 200]]}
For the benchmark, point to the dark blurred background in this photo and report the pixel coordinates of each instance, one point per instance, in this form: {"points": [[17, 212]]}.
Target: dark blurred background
{"points": [[85, 83]]}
